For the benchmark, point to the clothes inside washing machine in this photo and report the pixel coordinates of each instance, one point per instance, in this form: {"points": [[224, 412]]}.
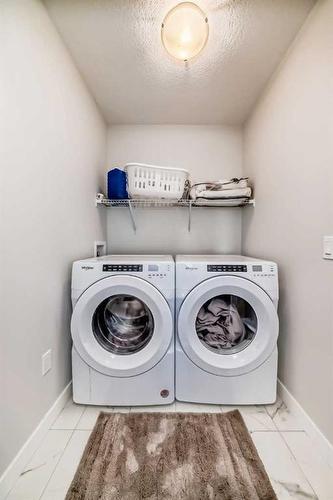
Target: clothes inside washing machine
{"points": [[123, 324], [226, 324]]}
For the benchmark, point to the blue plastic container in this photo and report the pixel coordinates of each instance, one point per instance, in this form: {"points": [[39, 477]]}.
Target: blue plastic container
{"points": [[117, 181]]}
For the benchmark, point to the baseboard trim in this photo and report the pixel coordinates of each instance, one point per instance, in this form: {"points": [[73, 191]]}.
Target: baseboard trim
{"points": [[319, 440], [15, 468]]}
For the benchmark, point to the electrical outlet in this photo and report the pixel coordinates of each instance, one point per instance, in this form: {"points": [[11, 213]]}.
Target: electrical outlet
{"points": [[46, 362], [99, 248], [328, 247]]}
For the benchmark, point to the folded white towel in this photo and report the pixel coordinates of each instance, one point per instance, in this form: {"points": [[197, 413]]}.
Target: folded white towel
{"points": [[222, 202], [224, 193], [232, 183], [224, 185]]}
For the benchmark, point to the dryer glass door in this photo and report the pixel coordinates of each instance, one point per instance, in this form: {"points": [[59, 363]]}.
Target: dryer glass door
{"points": [[122, 326], [228, 325]]}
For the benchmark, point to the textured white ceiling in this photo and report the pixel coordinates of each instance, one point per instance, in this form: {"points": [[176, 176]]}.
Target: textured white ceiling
{"points": [[117, 47]]}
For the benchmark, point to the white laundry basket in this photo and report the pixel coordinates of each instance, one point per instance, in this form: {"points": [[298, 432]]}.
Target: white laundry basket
{"points": [[150, 181]]}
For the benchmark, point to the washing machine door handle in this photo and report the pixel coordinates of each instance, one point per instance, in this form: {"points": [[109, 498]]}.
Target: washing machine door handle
{"points": [[228, 325], [122, 326]]}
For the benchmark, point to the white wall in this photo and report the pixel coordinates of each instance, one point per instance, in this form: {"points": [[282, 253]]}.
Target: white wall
{"points": [[209, 153], [52, 152], [288, 150]]}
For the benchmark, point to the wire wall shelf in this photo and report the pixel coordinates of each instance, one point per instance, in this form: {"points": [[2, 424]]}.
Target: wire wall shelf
{"points": [[132, 204], [143, 203]]}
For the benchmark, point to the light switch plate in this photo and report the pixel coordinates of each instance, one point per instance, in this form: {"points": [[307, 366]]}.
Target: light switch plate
{"points": [[328, 247]]}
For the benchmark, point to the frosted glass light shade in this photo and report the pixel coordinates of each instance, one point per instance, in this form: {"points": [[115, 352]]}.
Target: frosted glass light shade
{"points": [[185, 31]]}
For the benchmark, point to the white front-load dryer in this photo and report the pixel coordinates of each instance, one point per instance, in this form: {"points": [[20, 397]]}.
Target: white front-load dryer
{"points": [[227, 329], [122, 330]]}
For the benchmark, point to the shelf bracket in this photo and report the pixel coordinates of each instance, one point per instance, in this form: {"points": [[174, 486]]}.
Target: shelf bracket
{"points": [[131, 212], [189, 216]]}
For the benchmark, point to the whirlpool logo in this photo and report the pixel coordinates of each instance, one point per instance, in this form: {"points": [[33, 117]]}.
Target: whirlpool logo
{"points": [[86, 268], [191, 268]]}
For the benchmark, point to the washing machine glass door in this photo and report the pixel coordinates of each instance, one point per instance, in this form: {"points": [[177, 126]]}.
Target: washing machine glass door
{"points": [[122, 326], [228, 325]]}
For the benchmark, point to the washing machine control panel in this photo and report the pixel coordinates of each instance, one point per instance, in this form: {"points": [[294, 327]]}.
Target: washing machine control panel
{"points": [[123, 268], [226, 268]]}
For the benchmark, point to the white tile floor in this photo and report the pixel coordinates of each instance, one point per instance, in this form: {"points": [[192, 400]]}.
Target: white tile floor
{"points": [[296, 469]]}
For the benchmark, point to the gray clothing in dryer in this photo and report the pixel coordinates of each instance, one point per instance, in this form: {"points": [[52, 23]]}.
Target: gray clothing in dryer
{"points": [[219, 324]]}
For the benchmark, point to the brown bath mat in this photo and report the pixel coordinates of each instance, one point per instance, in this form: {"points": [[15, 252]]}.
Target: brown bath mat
{"points": [[134, 456]]}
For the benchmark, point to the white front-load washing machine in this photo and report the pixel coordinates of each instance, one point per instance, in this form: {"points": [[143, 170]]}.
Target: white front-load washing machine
{"points": [[122, 329], [227, 329]]}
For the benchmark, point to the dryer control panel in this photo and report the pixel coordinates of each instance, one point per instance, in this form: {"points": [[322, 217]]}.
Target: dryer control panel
{"points": [[226, 268]]}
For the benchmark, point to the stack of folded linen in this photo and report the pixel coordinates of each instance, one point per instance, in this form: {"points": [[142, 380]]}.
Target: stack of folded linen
{"points": [[225, 192]]}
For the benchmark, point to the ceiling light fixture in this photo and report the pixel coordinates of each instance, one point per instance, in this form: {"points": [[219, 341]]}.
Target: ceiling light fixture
{"points": [[185, 31]]}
